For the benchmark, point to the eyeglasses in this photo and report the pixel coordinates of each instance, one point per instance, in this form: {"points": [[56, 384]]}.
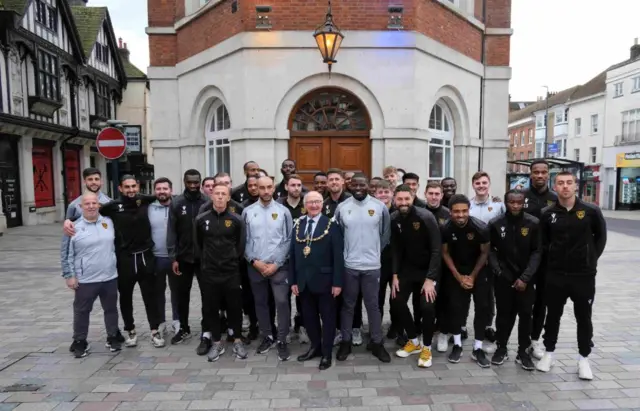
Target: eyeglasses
{"points": [[314, 202]]}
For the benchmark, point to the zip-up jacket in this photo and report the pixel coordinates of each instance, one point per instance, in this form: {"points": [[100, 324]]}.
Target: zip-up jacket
{"points": [[90, 255], [418, 202], [297, 211], [159, 220], [442, 214], [573, 239], [366, 229], [74, 210], [487, 210], [535, 201], [240, 193], [329, 206], [516, 247], [268, 229], [183, 212], [465, 243], [281, 190], [131, 219], [416, 244], [219, 239], [249, 201], [233, 206]]}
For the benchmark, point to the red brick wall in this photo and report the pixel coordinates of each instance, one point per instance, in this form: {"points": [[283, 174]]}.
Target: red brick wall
{"points": [[497, 51], [514, 136], [429, 17], [162, 50]]}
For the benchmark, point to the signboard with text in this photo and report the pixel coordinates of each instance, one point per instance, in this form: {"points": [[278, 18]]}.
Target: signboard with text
{"points": [[133, 134]]}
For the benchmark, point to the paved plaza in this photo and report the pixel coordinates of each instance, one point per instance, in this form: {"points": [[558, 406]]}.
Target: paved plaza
{"points": [[35, 333]]}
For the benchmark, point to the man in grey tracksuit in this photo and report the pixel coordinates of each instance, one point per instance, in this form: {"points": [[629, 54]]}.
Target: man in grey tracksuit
{"points": [[88, 261], [268, 231], [365, 223]]}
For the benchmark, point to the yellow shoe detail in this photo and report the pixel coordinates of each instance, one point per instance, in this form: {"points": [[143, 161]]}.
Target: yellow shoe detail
{"points": [[425, 360], [409, 348]]}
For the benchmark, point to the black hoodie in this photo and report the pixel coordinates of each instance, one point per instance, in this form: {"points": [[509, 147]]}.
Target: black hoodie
{"points": [[535, 201], [131, 221], [182, 213]]}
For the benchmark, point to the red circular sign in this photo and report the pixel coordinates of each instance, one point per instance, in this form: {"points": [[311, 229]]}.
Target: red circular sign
{"points": [[111, 143]]}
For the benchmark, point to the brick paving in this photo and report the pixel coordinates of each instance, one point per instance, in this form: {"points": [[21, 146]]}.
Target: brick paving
{"points": [[35, 328]]}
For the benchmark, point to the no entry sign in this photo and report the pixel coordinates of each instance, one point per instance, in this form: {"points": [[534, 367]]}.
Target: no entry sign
{"points": [[111, 143]]}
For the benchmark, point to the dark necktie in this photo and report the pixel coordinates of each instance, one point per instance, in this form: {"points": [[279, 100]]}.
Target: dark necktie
{"points": [[310, 228]]}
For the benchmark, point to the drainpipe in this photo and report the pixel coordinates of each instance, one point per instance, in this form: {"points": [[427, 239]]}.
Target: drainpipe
{"points": [[482, 85], [63, 146]]}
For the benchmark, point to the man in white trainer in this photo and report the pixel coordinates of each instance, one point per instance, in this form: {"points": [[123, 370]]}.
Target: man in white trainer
{"points": [[574, 235]]}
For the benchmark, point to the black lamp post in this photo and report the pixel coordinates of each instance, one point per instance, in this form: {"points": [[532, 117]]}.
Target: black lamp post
{"points": [[328, 38]]}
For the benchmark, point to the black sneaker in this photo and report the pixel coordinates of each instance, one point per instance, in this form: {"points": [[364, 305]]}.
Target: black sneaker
{"points": [[480, 358], [283, 351], [204, 346], [182, 336], [80, 348], [525, 362], [343, 351], [378, 351], [266, 344], [500, 356], [119, 337], [113, 344], [456, 354], [490, 335]]}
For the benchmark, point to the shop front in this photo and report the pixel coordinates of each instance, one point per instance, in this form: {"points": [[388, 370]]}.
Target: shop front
{"points": [[591, 187], [628, 181]]}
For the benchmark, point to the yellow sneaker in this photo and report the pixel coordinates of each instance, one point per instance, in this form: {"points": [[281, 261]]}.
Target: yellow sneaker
{"points": [[425, 358], [409, 348]]}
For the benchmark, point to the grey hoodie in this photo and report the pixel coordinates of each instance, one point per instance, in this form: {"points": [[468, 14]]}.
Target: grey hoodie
{"points": [[158, 217]]}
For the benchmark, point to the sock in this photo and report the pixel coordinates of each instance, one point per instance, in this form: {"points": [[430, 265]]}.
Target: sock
{"points": [[457, 340], [270, 337], [580, 357], [415, 341], [230, 332], [464, 328], [477, 345], [428, 347], [206, 334]]}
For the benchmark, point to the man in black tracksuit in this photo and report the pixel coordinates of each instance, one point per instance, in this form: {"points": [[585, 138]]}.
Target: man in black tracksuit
{"points": [[134, 251], [241, 192], [574, 235], [515, 256], [536, 198], [417, 254], [219, 239], [183, 211]]}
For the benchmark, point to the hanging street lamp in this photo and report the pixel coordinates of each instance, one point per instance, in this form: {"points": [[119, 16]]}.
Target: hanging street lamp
{"points": [[328, 38]]}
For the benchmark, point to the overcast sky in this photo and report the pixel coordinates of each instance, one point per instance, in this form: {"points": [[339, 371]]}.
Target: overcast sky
{"points": [[557, 43]]}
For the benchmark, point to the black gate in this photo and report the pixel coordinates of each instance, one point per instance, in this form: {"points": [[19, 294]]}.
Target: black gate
{"points": [[10, 181]]}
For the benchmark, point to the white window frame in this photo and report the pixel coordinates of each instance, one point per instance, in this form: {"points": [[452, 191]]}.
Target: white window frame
{"points": [[594, 123], [576, 154], [440, 138], [593, 154], [631, 125], [578, 126], [217, 138], [618, 89], [522, 140], [636, 84], [530, 135], [539, 149]]}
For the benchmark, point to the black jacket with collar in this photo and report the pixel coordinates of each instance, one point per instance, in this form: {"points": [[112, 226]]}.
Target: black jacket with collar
{"points": [[442, 214], [516, 248], [233, 206], [131, 221], [573, 239], [329, 206], [281, 190], [535, 201], [184, 210]]}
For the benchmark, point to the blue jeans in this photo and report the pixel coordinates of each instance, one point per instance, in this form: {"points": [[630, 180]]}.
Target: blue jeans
{"points": [[163, 270]]}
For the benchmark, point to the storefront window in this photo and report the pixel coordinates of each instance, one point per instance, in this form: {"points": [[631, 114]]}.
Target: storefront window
{"points": [[42, 156], [629, 182]]}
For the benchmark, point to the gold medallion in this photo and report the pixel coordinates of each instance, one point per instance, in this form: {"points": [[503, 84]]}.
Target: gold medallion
{"points": [[306, 251]]}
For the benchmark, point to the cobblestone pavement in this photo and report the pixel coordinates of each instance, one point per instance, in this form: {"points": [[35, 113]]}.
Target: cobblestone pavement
{"points": [[35, 328]]}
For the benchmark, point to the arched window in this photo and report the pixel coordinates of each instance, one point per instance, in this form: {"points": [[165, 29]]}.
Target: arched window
{"points": [[217, 134], [333, 110], [441, 142]]}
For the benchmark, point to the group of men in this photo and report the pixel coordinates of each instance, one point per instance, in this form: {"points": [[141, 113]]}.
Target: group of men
{"points": [[341, 246]]}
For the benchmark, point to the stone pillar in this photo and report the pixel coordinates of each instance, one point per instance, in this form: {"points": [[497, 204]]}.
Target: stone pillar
{"points": [[27, 194]]}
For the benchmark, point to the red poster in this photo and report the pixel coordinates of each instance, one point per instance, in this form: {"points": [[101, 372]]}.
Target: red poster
{"points": [[43, 176], [72, 173]]}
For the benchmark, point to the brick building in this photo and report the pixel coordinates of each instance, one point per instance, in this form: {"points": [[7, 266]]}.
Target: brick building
{"points": [[521, 142], [421, 84]]}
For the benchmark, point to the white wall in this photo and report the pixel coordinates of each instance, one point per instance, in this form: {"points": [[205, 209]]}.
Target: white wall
{"points": [[584, 109], [133, 108], [616, 105], [396, 74]]}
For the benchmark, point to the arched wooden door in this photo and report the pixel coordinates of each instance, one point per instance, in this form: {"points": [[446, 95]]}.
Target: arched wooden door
{"points": [[329, 128]]}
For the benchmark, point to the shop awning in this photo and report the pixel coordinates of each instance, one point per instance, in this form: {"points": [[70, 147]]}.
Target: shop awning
{"points": [[558, 162]]}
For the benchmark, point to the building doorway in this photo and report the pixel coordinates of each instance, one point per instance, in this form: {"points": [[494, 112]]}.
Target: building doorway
{"points": [[10, 181], [329, 128]]}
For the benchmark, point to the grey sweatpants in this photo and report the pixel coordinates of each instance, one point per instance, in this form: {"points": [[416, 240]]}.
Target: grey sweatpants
{"points": [[85, 295], [355, 281], [279, 283]]}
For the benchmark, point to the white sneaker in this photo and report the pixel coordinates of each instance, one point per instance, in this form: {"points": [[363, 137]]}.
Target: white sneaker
{"points": [[546, 362], [356, 337], [338, 338], [132, 339], [443, 342], [303, 336], [176, 326], [536, 350], [489, 348], [246, 323], [157, 340], [584, 369]]}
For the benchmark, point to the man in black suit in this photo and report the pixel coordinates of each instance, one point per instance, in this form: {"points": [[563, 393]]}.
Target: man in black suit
{"points": [[316, 275]]}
